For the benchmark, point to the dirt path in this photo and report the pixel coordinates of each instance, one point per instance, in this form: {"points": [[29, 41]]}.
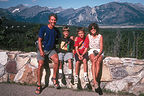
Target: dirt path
{"points": [[24, 90]]}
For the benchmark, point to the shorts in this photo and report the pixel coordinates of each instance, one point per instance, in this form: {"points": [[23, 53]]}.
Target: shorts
{"points": [[85, 56], [47, 53], [65, 56], [91, 52]]}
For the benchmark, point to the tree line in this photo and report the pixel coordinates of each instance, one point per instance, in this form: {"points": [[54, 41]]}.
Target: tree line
{"points": [[126, 42]]}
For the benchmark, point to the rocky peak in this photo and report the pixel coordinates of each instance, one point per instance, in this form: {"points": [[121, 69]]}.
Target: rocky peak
{"points": [[17, 8]]}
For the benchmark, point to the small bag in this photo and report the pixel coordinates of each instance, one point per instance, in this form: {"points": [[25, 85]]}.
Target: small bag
{"points": [[95, 52], [36, 44]]}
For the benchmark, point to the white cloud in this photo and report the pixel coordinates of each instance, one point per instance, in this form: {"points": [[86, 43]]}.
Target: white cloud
{"points": [[4, 0]]}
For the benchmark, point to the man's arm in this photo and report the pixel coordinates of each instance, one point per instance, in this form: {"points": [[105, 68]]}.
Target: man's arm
{"points": [[40, 46], [101, 48], [58, 37]]}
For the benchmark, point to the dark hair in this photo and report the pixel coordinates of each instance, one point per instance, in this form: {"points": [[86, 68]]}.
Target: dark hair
{"points": [[95, 27], [52, 14], [80, 29]]}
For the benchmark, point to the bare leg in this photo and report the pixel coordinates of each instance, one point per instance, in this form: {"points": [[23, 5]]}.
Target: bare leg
{"points": [[55, 69], [39, 71], [85, 65], [39, 75], [77, 67], [85, 72], [98, 62], [55, 66], [93, 68], [70, 64], [60, 66]]}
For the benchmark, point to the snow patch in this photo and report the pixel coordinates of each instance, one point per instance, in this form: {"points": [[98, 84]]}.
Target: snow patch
{"points": [[16, 10], [93, 11], [80, 18], [70, 22]]}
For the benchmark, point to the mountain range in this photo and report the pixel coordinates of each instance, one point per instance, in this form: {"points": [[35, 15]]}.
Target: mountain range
{"points": [[113, 13]]}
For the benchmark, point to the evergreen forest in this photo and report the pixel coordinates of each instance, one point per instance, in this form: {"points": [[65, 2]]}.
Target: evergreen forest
{"points": [[121, 42]]}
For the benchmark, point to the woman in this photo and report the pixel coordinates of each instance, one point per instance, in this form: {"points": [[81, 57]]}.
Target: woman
{"points": [[95, 51]]}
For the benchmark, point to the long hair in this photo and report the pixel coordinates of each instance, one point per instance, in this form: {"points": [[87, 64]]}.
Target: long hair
{"points": [[95, 26]]}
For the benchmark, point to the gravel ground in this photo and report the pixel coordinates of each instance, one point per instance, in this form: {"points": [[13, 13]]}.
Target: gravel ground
{"points": [[25, 90]]}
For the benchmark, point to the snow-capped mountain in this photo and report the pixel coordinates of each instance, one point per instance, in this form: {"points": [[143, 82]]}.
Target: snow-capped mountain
{"points": [[112, 13]]}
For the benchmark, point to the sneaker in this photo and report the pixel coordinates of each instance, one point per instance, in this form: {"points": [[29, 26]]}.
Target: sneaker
{"points": [[68, 76], [86, 79], [86, 86], [69, 83], [76, 80]]}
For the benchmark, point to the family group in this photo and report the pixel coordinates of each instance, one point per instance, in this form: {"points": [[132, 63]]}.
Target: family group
{"points": [[81, 48]]}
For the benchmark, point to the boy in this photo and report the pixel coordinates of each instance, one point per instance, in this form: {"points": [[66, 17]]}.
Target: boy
{"points": [[81, 46], [66, 46]]}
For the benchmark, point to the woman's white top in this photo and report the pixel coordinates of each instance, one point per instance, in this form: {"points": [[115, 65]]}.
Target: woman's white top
{"points": [[94, 43]]}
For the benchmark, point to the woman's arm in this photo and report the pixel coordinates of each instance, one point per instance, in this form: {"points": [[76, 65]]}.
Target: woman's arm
{"points": [[101, 45], [101, 48]]}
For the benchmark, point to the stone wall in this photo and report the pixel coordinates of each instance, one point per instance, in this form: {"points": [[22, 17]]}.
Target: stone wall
{"points": [[117, 74]]}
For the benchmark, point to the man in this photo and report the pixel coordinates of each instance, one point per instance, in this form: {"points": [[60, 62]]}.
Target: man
{"points": [[46, 47]]}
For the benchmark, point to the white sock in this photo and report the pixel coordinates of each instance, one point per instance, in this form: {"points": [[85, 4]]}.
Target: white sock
{"points": [[70, 71], [85, 74], [60, 70]]}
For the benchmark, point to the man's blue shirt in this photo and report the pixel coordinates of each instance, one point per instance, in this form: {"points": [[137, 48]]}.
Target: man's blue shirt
{"points": [[48, 37]]}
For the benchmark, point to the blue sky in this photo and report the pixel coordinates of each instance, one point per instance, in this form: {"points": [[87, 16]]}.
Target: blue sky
{"points": [[62, 3]]}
